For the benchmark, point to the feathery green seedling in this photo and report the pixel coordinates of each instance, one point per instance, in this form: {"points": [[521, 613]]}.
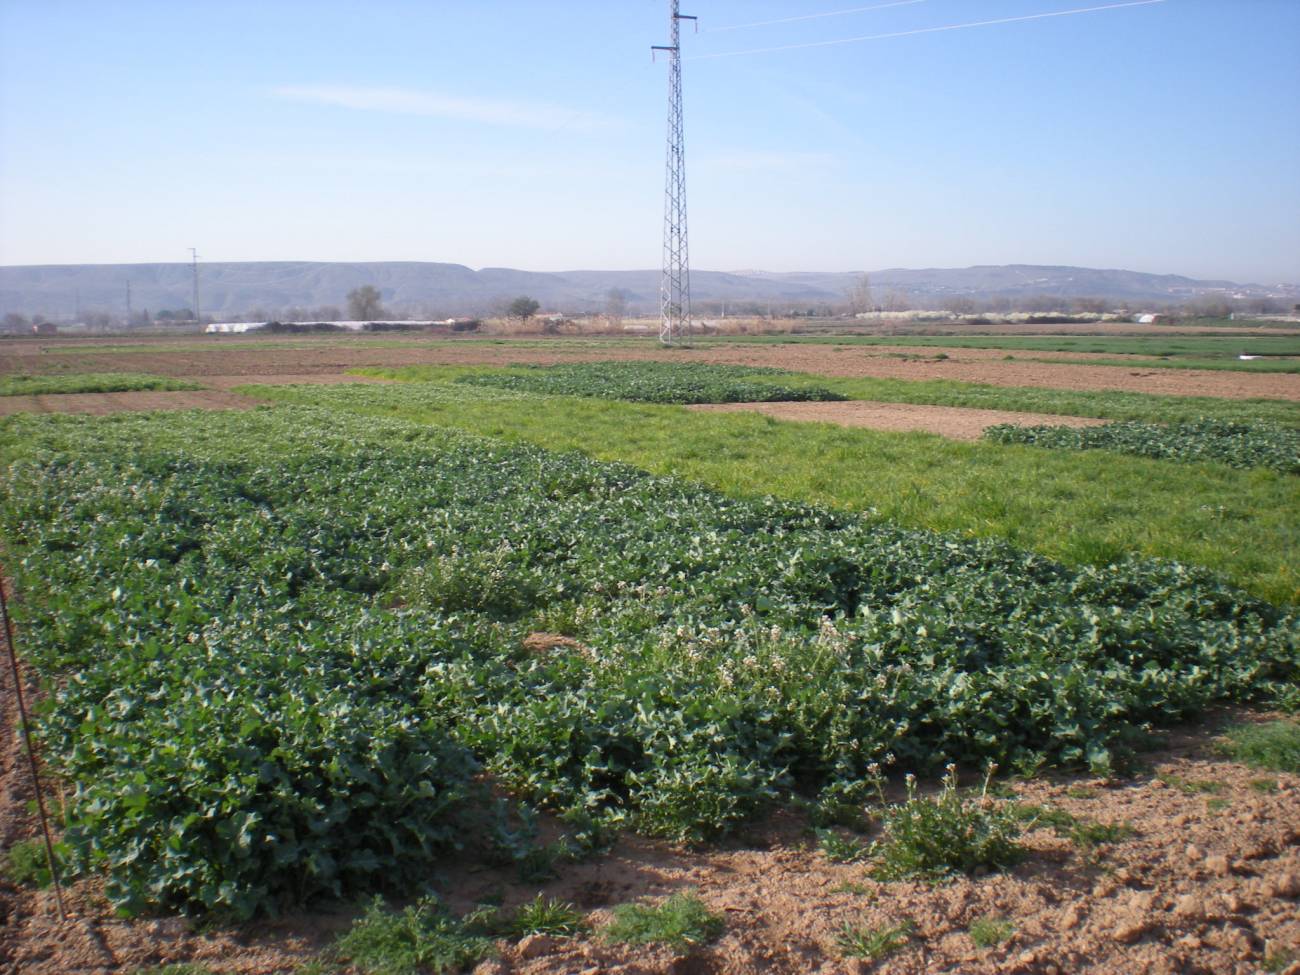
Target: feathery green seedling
{"points": [[1192, 787], [841, 849], [682, 921], [873, 941], [991, 931], [28, 863], [1279, 960], [545, 915], [1274, 745], [422, 938], [932, 837]]}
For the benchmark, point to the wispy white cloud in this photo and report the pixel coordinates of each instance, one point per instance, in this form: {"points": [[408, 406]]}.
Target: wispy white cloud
{"points": [[752, 160], [432, 104]]}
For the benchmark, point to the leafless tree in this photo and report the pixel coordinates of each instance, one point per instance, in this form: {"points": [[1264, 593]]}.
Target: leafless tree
{"points": [[860, 297], [616, 306], [364, 304], [897, 300]]}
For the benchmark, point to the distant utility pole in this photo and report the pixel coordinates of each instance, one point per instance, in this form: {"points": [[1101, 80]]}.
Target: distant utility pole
{"points": [[128, 302], [194, 254], [675, 285]]}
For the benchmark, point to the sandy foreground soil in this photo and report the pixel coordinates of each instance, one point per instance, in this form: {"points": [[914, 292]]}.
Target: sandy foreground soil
{"points": [[199, 357], [1207, 883]]}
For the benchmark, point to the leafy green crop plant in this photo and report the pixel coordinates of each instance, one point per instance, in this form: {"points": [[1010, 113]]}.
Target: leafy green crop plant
{"points": [[655, 382], [284, 649], [1235, 444]]}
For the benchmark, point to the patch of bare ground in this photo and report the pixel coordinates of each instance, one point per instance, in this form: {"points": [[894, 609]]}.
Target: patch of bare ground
{"points": [[317, 379], [99, 404], [200, 358], [959, 423], [1207, 881]]}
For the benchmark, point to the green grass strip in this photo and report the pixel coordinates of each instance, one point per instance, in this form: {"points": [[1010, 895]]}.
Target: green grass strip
{"points": [[1060, 503], [89, 382]]}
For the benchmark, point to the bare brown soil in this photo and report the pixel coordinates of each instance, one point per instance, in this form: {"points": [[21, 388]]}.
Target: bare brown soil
{"points": [[958, 423], [201, 357], [1208, 884], [101, 403], [315, 378]]}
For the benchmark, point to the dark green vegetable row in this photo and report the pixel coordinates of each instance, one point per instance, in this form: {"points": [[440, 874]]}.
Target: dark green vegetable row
{"points": [[1240, 445], [655, 382]]}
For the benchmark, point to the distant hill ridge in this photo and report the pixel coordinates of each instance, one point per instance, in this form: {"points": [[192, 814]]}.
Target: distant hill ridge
{"points": [[427, 288]]}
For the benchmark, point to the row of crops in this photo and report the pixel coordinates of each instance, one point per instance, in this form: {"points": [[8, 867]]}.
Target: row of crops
{"points": [[283, 646], [1240, 445], [655, 382]]}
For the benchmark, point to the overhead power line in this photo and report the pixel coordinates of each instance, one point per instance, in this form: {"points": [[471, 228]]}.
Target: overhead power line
{"points": [[926, 30], [829, 13]]}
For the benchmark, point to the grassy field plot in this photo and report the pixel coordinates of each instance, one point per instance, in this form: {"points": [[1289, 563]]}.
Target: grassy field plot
{"points": [[100, 382]]}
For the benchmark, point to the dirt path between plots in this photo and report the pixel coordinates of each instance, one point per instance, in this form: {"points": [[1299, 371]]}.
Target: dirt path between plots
{"points": [[958, 423], [200, 359]]}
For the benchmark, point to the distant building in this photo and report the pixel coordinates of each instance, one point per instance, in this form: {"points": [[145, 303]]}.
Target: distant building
{"points": [[45, 328], [1150, 319]]}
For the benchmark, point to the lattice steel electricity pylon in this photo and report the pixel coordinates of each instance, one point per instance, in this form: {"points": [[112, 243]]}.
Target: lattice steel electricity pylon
{"points": [[675, 285]]}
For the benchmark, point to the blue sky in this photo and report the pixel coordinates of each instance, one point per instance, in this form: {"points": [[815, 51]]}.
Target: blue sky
{"points": [[1158, 137]]}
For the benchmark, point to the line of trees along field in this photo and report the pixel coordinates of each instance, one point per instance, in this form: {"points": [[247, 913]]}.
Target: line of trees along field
{"points": [[366, 303]]}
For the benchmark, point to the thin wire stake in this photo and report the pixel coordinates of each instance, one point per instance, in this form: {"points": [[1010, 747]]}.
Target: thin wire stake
{"points": [[31, 753]]}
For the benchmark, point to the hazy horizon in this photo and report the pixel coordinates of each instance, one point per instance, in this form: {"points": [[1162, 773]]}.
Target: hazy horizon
{"points": [[648, 268], [1148, 136]]}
